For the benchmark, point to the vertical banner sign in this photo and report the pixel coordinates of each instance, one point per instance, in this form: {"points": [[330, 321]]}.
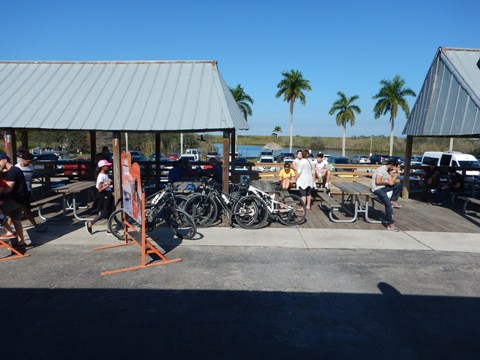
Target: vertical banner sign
{"points": [[136, 193], [132, 188], [127, 182]]}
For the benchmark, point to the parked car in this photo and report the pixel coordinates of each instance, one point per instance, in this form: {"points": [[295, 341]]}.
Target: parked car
{"points": [[284, 156], [379, 159], [173, 156], [46, 157], [189, 157], [76, 170], [339, 160], [452, 158], [267, 160], [137, 156], [194, 152], [240, 160], [153, 157], [213, 154], [360, 159], [266, 153]]}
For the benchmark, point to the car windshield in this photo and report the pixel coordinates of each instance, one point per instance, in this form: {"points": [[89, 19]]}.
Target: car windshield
{"points": [[240, 160], [266, 160], [469, 163]]}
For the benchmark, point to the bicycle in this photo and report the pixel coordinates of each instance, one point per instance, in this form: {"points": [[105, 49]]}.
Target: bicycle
{"points": [[243, 210], [289, 209], [161, 207]]}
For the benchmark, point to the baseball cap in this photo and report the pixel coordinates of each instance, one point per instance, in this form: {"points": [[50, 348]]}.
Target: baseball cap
{"points": [[103, 163], [26, 156], [4, 156]]}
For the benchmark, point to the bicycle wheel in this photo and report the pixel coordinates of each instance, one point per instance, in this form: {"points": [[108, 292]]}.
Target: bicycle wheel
{"points": [[181, 200], [291, 210], [202, 209], [250, 212], [116, 226], [181, 223]]}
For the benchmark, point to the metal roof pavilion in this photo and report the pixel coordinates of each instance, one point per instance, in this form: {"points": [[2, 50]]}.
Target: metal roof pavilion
{"points": [[449, 101], [145, 96]]}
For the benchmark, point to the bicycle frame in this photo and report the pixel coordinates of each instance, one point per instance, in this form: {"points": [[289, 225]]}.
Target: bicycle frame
{"points": [[273, 206]]}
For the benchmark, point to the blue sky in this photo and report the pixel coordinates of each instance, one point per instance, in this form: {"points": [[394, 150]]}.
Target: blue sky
{"points": [[344, 46]]}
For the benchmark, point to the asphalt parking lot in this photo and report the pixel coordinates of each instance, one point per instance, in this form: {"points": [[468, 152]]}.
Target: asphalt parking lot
{"points": [[243, 294]]}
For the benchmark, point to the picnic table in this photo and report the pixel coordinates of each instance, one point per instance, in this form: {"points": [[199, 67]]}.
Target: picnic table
{"points": [[68, 194], [351, 193]]}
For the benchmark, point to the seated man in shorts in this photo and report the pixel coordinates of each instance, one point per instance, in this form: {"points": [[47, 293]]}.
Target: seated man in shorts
{"points": [[322, 170]]}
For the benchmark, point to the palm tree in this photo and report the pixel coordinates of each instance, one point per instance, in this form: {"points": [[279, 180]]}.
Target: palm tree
{"points": [[242, 100], [390, 96], [276, 130], [346, 113], [291, 87]]}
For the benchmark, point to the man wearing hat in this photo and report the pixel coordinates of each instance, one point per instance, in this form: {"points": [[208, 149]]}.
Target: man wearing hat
{"points": [[16, 199], [24, 163], [383, 182]]}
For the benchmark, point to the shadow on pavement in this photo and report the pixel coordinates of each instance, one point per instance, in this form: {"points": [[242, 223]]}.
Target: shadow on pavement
{"points": [[114, 323]]}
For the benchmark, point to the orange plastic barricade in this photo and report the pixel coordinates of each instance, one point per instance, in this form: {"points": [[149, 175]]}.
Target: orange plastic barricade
{"points": [[15, 253], [133, 237]]}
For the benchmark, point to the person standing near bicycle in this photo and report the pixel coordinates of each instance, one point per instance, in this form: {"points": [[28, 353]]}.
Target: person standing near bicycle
{"points": [[304, 178], [105, 195]]}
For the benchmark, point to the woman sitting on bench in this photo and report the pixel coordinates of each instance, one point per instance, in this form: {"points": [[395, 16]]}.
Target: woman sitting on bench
{"points": [[287, 177]]}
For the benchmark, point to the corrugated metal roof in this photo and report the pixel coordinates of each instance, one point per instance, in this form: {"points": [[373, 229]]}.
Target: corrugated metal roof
{"points": [[449, 101], [117, 96]]}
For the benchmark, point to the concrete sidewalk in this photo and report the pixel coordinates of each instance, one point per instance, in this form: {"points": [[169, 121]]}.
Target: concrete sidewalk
{"points": [[287, 237]]}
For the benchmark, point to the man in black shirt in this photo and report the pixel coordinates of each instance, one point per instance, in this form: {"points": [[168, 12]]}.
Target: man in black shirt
{"points": [[15, 199], [455, 185]]}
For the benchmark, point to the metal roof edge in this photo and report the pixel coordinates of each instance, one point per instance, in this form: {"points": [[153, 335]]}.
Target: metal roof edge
{"points": [[213, 62], [444, 49]]}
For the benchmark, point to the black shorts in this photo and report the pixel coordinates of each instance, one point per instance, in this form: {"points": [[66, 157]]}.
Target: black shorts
{"points": [[305, 192]]}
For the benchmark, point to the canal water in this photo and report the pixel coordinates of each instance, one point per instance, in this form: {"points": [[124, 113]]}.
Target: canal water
{"points": [[252, 151]]}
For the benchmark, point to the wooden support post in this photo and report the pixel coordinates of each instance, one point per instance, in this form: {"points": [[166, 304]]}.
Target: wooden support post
{"points": [[406, 173], [93, 153], [226, 161], [25, 139], [233, 142], [117, 165], [158, 171]]}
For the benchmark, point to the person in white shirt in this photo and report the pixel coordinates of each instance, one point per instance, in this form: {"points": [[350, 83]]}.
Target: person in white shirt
{"points": [[304, 179], [297, 159]]}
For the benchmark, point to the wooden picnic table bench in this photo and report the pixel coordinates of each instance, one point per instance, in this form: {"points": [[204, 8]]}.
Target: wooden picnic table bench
{"points": [[351, 192], [68, 193]]}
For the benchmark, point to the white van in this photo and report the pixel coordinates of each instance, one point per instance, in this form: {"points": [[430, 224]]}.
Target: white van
{"points": [[194, 152], [452, 158]]}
